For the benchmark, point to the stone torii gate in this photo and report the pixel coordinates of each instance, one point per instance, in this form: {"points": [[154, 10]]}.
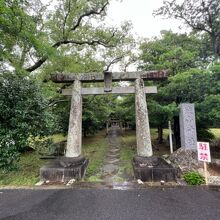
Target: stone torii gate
{"points": [[74, 164]]}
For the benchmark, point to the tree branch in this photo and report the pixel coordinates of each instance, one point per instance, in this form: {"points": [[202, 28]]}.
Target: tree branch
{"points": [[86, 14], [42, 60], [113, 62], [65, 18], [92, 43]]}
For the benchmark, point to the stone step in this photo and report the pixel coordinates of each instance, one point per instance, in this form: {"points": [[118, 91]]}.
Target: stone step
{"points": [[110, 169], [112, 161], [114, 150], [113, 155]]}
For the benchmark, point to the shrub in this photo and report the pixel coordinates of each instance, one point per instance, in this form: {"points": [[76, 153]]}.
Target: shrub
{"points": [[194, 178], [23, 112], [42, 145], [8, 152]]}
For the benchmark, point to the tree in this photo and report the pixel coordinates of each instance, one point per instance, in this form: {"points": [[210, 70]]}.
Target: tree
{"points": [[202, 16], [96, 111], [31, 34], [171, 51], [177, 53], [190, 79], [24, 113]]}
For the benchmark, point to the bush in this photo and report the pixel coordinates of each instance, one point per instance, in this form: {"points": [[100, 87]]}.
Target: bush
{"points": [[23, 112], [194, 178], [42, 145], [8, 152]]}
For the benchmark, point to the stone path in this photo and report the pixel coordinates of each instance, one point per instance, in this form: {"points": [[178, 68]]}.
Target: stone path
{"points": [[112, 159]]}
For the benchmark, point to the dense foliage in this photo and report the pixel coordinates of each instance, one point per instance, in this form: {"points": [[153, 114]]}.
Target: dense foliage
{"points": [[24, 112], [192, 79]]}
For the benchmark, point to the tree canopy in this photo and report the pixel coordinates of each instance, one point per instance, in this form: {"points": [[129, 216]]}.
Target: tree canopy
{"points": [[200, 16]]}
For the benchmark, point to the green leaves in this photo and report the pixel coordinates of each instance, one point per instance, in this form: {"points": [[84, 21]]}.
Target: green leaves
{"points": [[24, 112], [200, 16], [194, 178], [176, 52]]}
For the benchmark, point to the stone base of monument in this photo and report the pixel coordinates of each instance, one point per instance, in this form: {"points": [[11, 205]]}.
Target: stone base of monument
{"points": [[153, 169], [64, 169], [186, 160]]}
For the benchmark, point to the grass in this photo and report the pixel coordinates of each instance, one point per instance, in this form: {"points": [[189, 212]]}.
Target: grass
{"points": [[94, 148], [216, 132], [27, 173], [128, 149], [58, 138]]}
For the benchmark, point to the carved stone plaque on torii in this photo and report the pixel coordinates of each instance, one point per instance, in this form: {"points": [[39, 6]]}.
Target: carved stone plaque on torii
{"points": [[74, 140]]}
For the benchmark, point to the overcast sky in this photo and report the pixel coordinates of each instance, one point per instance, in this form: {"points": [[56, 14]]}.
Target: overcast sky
{"points": [[140, 13]]}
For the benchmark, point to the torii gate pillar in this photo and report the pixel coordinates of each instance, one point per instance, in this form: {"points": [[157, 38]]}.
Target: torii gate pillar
{"points": [[144, 147], [74, 139]]}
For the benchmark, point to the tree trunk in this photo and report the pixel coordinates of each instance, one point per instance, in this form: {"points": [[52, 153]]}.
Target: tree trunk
{"points": [[216, 45], [84, 133], [160, 134], [177, 131]]}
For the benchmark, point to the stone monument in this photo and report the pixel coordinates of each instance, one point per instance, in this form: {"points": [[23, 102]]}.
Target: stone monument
{"points": [[188, 133], [186, 156]]}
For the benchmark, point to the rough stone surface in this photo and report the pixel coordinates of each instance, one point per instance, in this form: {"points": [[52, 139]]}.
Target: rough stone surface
{"points": [[63, 170], [110, 169], [108, 81], [153, 169], [118, 90], [214, 180], [186, 160], [74, 139], [112, 160], [116, 76], [188, 126], [144, 147], [216, 162], [71, 161]]}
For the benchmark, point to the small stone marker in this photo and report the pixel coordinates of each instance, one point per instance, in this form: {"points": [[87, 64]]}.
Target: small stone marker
{"points": [[188, 126]]}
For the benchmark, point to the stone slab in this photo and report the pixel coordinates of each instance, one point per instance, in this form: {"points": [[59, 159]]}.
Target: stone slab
{"points": [[116, 76], [114, 90], [153, 169], [114, 150], [188, 133], [111, 155], [64, 169], [112, 160], [110, 168]]}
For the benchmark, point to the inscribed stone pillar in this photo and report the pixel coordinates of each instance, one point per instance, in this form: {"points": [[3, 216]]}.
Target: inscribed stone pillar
{"points": [[74, 140], [144, 147], [188, 133]]}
